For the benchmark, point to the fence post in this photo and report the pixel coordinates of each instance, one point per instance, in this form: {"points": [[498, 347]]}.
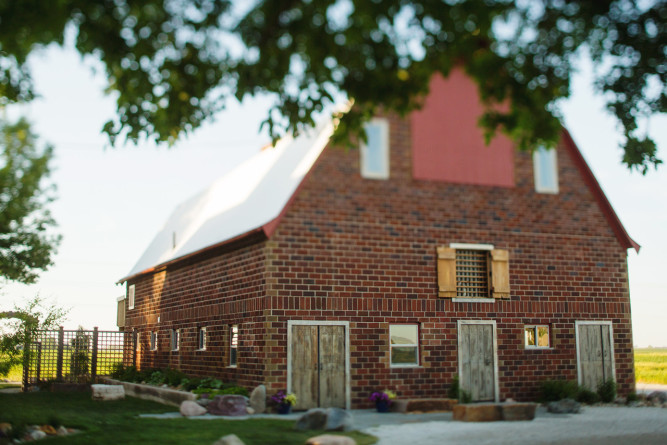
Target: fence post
{"points": [[26, 359], [38, 372], [93, 360], [61, 350], [134, 348]]}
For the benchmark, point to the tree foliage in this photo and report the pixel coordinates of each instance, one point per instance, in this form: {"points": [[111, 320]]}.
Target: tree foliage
{"points": [[174, 63], [21, 322], [26, 246]]}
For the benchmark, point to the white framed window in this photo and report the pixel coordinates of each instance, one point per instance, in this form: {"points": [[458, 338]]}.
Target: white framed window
{"points": [[404, 345], [175, 339], [201, 339], [545, 168], [233, 344], [130, 297], [374, 153], [153, 341], [536, 337]]}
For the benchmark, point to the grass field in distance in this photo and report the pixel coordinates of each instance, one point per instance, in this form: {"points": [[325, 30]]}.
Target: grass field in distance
{"points": [[651, 365]]}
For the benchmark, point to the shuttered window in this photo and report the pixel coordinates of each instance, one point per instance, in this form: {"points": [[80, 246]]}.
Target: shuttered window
{"points": [[233, 344], [153, 341], [481, 272]]}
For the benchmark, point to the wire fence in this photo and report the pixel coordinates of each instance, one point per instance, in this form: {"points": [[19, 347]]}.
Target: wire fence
{"points": [[75, 356]]}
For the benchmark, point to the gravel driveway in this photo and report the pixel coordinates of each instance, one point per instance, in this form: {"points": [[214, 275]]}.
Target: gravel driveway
{"points": [[594, 425]]}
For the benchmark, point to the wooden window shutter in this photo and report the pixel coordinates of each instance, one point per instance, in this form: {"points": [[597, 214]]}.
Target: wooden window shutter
{"points": [[500, 273], [446, 272]]}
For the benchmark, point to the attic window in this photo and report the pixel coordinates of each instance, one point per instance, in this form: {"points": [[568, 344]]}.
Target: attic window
{"points": [[473, 272], [545, 168], [374, 152]]}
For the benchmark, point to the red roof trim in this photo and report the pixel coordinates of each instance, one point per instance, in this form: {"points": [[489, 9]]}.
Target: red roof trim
{"points": [[597, 192]]}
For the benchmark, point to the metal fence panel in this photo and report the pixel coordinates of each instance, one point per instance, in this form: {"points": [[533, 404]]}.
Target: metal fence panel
{"points": [[75, 356]]}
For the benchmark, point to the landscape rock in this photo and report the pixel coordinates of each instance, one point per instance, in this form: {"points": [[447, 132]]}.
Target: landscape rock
{"points": [[258, 399], [228, 405], [518, 411], [250, 410], [189, 408], [338, 420], [565, 406], [229, 439], [5, 429], [62, 431], [477, 412], [313, 419], [657, 397], [330, 439], [48, 429], [108, 392], [36, 435], [204, 401]]}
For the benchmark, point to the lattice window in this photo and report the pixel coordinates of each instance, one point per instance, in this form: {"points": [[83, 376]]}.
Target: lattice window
{"points": [[472, 273]]}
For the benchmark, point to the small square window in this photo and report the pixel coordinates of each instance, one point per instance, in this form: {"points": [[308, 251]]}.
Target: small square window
{"points": [[545, 167], [233, 344], [404, 344], [374, 153], [153, 341], [175, 339], [201, 339], [537, 336], [130, 297]]}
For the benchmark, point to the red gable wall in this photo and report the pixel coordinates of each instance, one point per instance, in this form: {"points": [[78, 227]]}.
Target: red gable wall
{"points": [[447, 143]]}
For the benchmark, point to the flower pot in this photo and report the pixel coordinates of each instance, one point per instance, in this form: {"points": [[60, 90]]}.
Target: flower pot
{"points": [[382, 406], [284, 408]]}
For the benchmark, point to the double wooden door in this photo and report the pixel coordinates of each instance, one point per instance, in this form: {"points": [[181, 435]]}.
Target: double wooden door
{"points": [[318, 365], [595, 354], [477, 361]]}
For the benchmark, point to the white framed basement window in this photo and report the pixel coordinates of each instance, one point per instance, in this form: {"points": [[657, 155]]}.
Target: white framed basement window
{"points": [[233, 345], [175, 339], [374, 153], [404, 345], [130, 297], [545, 168], [201, 339], [153, 341], [536, 337]]}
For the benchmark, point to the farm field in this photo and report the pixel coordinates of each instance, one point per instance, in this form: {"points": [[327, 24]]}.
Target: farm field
{"points": [[651, 365]]}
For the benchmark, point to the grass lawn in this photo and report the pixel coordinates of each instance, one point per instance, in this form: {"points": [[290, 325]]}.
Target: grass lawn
{"points": [[115, 422], [651, 365]]}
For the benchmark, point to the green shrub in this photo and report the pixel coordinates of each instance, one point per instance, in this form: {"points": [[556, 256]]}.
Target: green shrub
{"points": [[632, 397], [464, 396], [607, 391], [554, 390], [189, 384], [210, 383], [156, 378], [173, 377], [453, 391], [587, 397]]}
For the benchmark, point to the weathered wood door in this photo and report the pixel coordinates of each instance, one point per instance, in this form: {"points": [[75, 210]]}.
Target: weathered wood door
{"points": [[318, 366], [476, 361], [595, 355]]}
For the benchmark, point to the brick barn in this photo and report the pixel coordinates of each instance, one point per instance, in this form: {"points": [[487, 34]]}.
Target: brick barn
{"points": [[422, 256]]}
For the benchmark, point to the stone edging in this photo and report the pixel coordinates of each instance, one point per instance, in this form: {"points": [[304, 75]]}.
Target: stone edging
{"points": [[158, 394]]}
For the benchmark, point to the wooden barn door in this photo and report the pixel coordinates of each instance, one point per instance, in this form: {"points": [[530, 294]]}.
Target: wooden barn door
{"points": [[594, 344], [318, 366], [477, 360]]}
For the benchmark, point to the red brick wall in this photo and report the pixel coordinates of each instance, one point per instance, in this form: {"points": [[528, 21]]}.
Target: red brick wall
{"points": [[364, 251], [216, 293]]}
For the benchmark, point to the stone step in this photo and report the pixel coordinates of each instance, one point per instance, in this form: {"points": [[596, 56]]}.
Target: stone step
{"points": [[491, 412], [421, 405]]}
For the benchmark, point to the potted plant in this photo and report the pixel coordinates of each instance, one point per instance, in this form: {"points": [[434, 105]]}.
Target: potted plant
{"points": [[284, 402], [382, 400]]}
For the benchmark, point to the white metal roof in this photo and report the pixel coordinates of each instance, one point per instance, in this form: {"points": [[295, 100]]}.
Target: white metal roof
{"points": [[248, 197]]}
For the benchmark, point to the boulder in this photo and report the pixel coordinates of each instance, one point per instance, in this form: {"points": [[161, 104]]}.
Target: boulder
{"points": [[330, 439], [5, 429], [565, 406], [48, 429], [477, 412], [190, 408], [36, 435], [338, 420], [228, 405], [518, 411], [108, 392], [258, 399], [229, 439], [313, 419], [657, 397]]}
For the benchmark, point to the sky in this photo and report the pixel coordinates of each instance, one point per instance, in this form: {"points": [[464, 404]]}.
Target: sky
{"points": [[112, 201]]}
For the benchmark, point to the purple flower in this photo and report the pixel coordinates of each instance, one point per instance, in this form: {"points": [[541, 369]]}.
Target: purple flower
{"points": [[379, 397]]}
